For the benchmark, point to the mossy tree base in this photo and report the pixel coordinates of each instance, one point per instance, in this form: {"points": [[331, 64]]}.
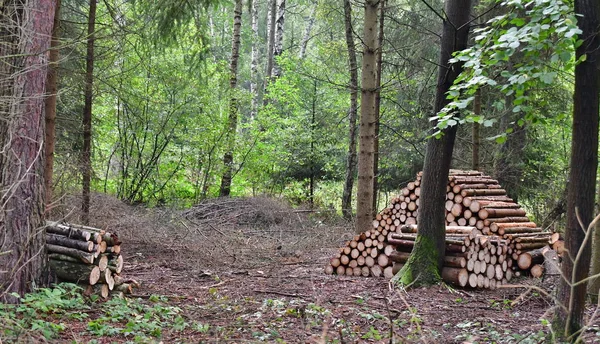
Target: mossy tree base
{"points": [[422, 268]]}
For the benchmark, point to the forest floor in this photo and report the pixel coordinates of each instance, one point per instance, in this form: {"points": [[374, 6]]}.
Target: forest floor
{"points": [[251, 270]]}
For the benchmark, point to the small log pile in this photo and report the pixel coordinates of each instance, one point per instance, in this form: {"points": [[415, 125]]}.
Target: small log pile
{"points": [[88, 256], [489, 238], [365, 255]]}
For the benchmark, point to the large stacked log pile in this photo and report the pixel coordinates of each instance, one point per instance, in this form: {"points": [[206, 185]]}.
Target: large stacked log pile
{"points": [[489, 238], [88, 256]]}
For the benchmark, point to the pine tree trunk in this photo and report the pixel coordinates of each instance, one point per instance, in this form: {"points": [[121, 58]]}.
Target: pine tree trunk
{"points": [[25, 34], [232, 119], [50, 105], [364, 197], [476, 130], [582, 177], [352, 114], [377, 108], [86, 162], [427, 259]]}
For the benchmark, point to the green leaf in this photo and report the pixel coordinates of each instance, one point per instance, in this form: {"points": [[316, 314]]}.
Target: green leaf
{"points": [[488, 122], [565, 56]]}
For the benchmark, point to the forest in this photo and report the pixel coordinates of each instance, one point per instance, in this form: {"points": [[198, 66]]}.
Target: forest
{"points": [[238, 144]]}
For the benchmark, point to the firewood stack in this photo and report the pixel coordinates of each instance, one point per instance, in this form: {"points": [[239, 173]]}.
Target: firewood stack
{"points": [[89, 256], [489, 238]]}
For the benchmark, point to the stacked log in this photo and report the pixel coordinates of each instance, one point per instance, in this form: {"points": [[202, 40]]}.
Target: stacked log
{"points": [[365, 255], [472, 258], [473, 199], [88, 256]]}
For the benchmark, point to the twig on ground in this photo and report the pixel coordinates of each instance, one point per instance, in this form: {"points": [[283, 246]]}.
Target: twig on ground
{"points": [[280, 293]]}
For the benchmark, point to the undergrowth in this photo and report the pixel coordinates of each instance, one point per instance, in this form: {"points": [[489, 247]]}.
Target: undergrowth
{"points": [[42, 315]]}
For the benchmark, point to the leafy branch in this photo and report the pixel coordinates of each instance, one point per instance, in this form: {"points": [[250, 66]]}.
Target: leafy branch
{"points": [[513, 54]]}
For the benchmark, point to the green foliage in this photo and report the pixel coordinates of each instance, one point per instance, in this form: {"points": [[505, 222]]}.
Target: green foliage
{"points": [[39, 315], [514, 53]]}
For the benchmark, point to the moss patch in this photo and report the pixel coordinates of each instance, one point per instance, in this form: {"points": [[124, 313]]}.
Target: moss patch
{"points": [[421, 268]]}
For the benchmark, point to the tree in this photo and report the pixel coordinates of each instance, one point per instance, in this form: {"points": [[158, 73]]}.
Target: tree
{"points": [[352, 114], [278, 47], [50, 104], [378, 106], [231, 126], [427, 257], [271, 27], [26, 30], [568, 318], [254, 59], [594, 286], [307, 31], [86, 153], [366, 140]]}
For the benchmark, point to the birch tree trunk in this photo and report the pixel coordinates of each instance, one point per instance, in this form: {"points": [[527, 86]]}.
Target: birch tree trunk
{"points": [[582, 177], [307, 31], [279, 25], [86, 162], [254, 60], [364, 197], [352, 114], [271, 40], [231, 127], [427, 258], [25, 32]]}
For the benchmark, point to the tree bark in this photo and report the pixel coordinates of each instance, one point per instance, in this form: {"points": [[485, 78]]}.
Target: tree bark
{"points": [[86, 162], [582, 178], [352, 114], [25, 34], [254, 60], [271, 40], [364, 209], [50, 105], [378, 107], [232, 119], [427, 259], [594, 285], [476, 130], [278, 48], [309, 25]]}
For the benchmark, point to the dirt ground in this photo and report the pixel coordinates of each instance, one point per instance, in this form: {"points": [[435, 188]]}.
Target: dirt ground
{"points": [[252, 270]]}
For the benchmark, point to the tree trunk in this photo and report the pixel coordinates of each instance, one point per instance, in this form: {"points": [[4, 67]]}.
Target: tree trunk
{"points": [[476, 129], [582, 178], [271, 40], [594, 286], [352, 114], [86, 162], [278, 48], [232, 119], [427, 259], [309, 25], [254, 60], [25, 34], [50, 105], [364, 197], [377, 108]]}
